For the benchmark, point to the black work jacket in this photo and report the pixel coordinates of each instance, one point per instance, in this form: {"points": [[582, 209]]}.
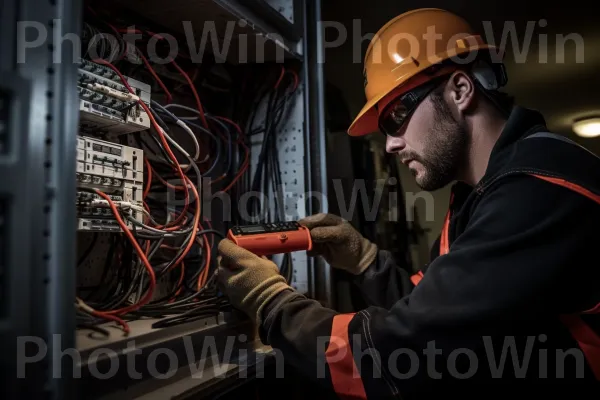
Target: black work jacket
{"points": [[499, 302]]}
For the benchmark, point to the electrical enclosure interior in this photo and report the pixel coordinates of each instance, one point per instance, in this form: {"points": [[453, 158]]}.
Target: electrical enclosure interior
{"points": [[125, 165]]}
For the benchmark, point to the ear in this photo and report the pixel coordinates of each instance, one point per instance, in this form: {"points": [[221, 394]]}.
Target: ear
{"points": [[462, 90]]}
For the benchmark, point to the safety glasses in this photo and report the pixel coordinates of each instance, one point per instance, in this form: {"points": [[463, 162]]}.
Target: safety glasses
{"points": [[399, 110]]}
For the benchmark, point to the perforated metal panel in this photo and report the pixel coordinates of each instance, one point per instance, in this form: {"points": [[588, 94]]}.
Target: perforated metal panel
{"points": [[290, 144]]}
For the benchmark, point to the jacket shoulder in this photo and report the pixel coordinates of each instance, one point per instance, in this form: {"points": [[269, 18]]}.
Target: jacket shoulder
{"points": [[552, 156]]}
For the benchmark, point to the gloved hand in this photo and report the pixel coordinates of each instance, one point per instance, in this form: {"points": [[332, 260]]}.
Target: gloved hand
{"points": [[336, 240], [249, 281]]}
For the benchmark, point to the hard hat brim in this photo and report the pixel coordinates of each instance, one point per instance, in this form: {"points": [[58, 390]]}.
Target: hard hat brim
{"points": [[366, 122]]}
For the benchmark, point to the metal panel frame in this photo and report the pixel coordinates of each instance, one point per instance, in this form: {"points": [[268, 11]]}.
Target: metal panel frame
{"points": [[281, 14], [241, 10], [283, 7], [260, 23], [39, 186], [320, 282], [224, 349]]}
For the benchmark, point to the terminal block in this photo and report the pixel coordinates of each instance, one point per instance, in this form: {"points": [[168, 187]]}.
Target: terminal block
{"points": [[106, 105], [113, 169]]}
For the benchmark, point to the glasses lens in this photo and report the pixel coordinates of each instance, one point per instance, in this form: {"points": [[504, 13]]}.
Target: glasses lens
{"points": [[392, 121]]}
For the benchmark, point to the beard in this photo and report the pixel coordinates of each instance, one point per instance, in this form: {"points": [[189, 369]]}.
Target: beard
{"points": [[446, 150]]}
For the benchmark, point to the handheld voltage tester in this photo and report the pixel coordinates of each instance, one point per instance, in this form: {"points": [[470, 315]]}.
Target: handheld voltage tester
{"points": [[271, 238]]}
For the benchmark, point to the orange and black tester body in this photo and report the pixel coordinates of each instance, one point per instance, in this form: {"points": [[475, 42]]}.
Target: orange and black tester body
{"points": [[271, 238]]}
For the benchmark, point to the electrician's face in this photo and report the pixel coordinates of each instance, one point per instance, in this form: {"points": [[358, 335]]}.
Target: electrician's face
{"points": [[432, 143]]}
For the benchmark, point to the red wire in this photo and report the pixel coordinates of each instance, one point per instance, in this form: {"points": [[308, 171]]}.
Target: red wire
{"points": [[160, 134], [148, 296], [195, 92], [237, 127], [280, 77], [245, 164], [156, 77], [209, 224], [166, 146], [243, 169], [149, 177], [112, 318], [195, 225], [204, 275], [296, 79]]}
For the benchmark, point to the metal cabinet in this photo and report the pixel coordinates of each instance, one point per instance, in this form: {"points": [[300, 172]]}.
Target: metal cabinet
{"points": [[44, 355]]}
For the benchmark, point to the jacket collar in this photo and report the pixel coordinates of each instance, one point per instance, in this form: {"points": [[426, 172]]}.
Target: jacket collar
{"points": [[521, 123]]}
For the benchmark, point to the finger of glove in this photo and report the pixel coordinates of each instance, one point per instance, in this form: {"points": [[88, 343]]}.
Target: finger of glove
{"points": [[329, 234], [225, 263], [233, 256], [321, 219], [230, 281], [269, 264]]}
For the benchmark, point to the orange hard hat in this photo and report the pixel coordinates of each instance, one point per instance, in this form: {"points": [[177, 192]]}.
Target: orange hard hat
{"points": [[407, 45]]}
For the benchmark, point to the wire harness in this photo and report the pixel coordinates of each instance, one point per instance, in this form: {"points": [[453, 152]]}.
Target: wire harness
{"points": [[189, 153]]}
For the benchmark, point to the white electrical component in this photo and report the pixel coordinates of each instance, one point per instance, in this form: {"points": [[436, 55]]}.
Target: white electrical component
{"points": [[106, 105], [113, 169]]}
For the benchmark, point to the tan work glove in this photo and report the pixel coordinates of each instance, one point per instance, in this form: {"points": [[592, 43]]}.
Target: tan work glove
{"points": [[336, 240], [247, 280]]}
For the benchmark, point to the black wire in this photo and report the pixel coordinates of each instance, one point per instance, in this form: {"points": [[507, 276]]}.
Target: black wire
{"points": [[94, 328], [107, 265], [189, 316], [185, 308], [164, 269], [229, 141], [88, 250], [219, 150], [179, 286]]}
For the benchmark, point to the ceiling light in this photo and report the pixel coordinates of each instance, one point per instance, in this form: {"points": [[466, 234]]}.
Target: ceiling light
{"points": [[587, 128]]}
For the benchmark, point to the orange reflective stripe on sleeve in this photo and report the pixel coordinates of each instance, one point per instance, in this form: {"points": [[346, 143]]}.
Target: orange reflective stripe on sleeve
{"points": [[444, 239], [444, 245], [345, 377], [416, 278], [588, 340], [572, 186]]}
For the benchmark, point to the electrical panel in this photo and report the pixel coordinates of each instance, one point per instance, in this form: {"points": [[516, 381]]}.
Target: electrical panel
{"points": [[113, 169], [108, 109], [149, 146]]}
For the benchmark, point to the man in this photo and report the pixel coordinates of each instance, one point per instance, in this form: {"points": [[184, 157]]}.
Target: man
{"points": [[513, 270]]}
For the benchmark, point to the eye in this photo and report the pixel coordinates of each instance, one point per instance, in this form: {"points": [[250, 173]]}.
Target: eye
{"points": [[398, 115]]}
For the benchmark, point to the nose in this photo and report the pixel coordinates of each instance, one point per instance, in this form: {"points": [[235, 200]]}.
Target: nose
{"points": [[394, 144]]}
